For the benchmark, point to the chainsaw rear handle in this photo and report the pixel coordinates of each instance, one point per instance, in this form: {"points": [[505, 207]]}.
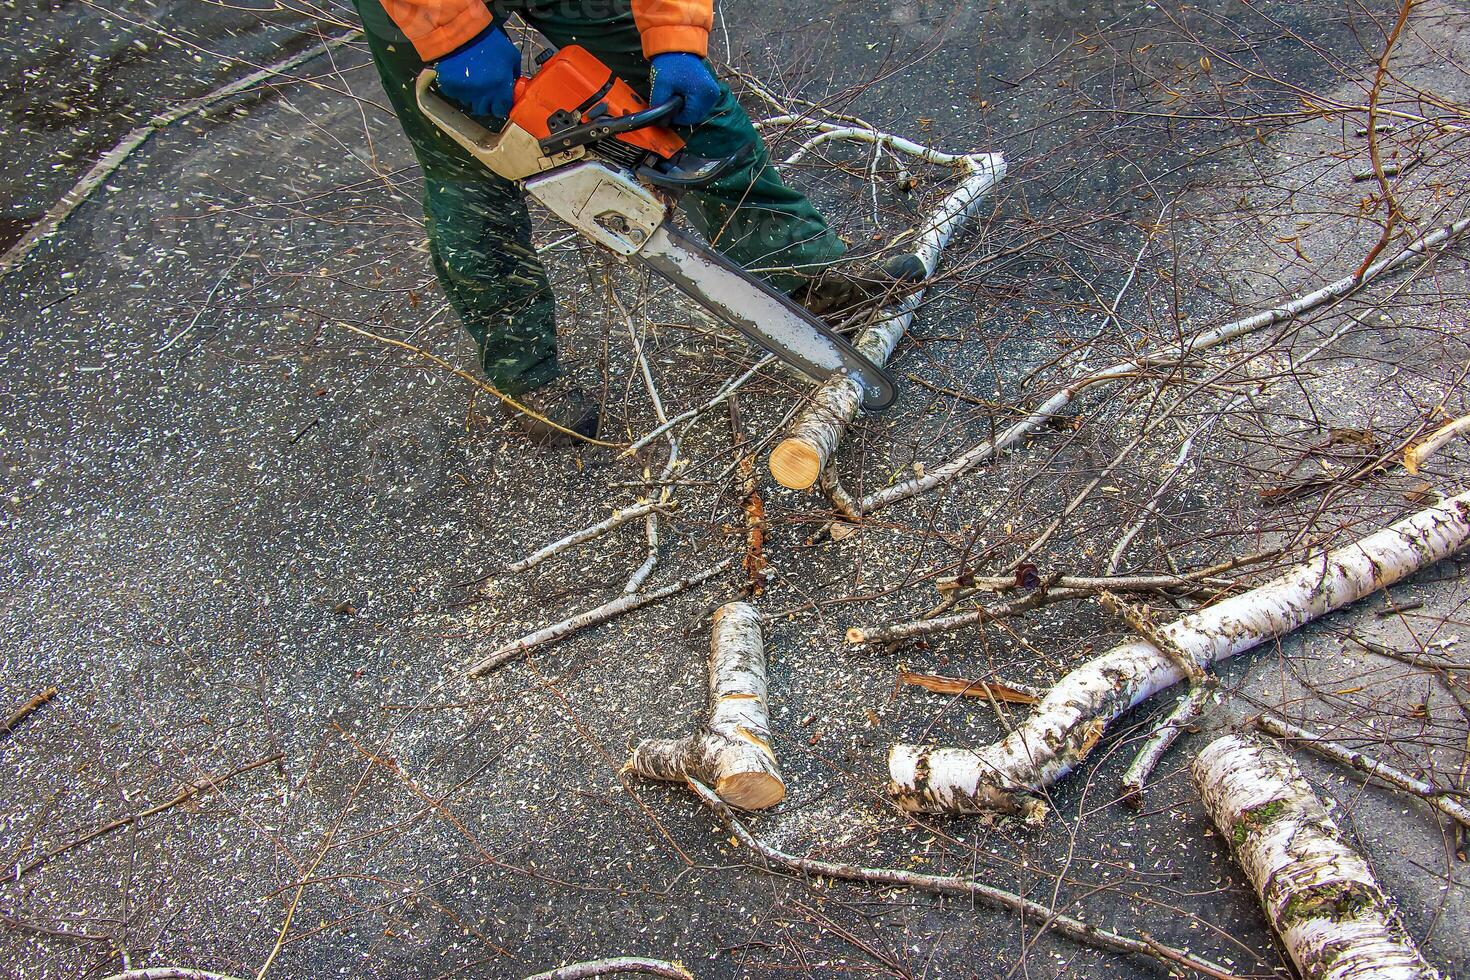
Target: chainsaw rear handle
{"points": [[604, 127], [513, 153], [453, 121]]}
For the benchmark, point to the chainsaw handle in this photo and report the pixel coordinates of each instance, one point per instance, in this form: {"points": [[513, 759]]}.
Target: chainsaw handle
{"points": [[598, 129], [450, 119]]}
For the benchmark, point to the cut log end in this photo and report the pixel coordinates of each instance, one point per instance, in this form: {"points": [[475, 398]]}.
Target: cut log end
{"points": [[754, 790], [795, 464], [731, 749]]}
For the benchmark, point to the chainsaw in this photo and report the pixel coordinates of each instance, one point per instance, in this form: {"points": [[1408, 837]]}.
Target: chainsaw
{"points": [[590, 149]]}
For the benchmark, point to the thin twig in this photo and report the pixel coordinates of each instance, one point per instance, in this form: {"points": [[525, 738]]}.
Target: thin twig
{"points": [[1046, 918], [26, 710], [190, 791], [1366, 764], [625, 603]]}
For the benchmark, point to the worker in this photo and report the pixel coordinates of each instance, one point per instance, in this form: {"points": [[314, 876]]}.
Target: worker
{"points": [[479, 230]]}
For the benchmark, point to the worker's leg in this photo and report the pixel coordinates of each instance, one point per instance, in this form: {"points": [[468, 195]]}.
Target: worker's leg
{"points": [[750, 214], [479, 231]]}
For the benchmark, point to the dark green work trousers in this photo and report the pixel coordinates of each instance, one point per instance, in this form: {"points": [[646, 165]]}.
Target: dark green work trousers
{"points": [[479, 230]]}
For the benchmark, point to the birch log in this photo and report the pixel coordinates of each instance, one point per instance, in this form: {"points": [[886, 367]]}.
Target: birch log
{"points": [[800, 458], [1006, 776], [731, 751], [1318, 893]]}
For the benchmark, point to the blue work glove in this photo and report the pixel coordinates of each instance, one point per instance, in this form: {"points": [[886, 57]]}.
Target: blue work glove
{"points": [[675, 73], [481, 75]]}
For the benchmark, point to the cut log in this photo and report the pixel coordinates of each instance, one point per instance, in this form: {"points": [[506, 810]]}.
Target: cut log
{"points": [[1006, 777], [1318, 893], [798, 460], [731, 751]]}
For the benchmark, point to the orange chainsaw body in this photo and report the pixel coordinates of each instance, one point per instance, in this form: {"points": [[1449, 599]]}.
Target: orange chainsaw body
{"points": [[573, 81]]}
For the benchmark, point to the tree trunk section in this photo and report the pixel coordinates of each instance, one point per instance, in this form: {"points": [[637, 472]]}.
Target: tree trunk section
{"points": [[1319, 894], [798, 460], [731, 751], [1005, 776]]}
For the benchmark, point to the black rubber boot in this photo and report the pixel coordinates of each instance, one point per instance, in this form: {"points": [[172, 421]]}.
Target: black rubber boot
{"points": [[560, 402]]}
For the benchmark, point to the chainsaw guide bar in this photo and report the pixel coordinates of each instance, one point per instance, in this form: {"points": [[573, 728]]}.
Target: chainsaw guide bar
{"points": [[586, 146]]}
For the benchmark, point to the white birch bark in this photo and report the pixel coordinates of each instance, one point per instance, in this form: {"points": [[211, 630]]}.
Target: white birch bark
{"points": [[799, 459], [731, 751], [1318, 893], [617, 964], [1005, 777]]}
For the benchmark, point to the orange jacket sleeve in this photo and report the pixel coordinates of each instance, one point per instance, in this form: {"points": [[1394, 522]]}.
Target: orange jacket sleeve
{"points": [[674, 25], [437, 27]]}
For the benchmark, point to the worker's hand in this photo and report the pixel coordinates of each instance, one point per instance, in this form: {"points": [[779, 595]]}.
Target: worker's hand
{"points": [[481, 75], [675, 73]]}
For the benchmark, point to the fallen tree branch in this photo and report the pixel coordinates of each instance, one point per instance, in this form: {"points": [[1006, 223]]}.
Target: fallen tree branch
{"points": [[723, 395], [963, 585], [114, 158], [1366, 764], [1318, 894], [517, 649], [169, 973], [1135, 777], [616, 964], [897, 632], [1041, 916], [617, 520], [1006, 776], [26, 710], [935, 476], [1416, 454], [798, 460], [731, 750], [671, 464], [1140, 621], [202, 785]]}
